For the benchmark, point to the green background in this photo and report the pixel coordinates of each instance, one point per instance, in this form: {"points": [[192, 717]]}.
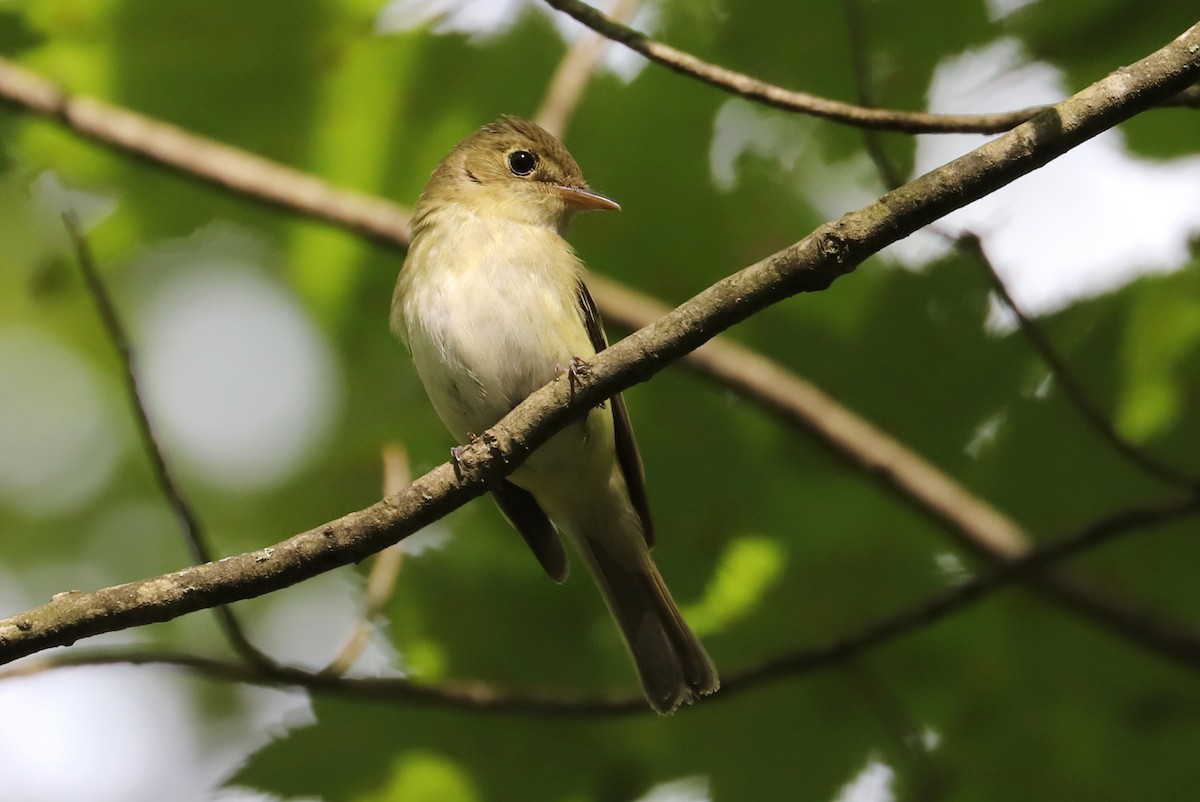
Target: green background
{"points": [[770, 543]]}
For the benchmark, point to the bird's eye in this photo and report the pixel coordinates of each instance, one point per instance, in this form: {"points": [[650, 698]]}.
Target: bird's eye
{"points": [[522, 162]]}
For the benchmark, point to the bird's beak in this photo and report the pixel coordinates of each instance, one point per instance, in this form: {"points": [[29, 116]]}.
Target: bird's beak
{"points": [[584, 198]]}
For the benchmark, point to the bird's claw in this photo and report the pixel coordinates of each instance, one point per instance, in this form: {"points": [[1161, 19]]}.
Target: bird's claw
{"points": [[457, 451], [576, 369]]}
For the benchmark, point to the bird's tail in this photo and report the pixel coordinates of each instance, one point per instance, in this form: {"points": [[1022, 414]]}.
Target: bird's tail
{"points": [[671, 663]]}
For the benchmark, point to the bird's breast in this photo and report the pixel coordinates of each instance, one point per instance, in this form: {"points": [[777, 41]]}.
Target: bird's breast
{"points": [[490, 311]]}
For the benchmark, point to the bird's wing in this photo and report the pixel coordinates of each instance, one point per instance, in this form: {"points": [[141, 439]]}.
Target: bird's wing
{"points": [[527, 517], [627, 451]]}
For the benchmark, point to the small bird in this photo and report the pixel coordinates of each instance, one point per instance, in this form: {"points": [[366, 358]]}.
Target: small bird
{"points": [[492, 304]]}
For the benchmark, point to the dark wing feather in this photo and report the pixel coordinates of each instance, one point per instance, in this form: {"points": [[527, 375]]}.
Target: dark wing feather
{"points": [[627, 451], [527, 517]]}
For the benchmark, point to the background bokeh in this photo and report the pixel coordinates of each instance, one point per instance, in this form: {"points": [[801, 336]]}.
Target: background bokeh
{"points": [[262, 344]]}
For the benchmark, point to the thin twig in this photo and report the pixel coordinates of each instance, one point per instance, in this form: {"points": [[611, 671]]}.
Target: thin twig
{"points": [[751, 88], [189, 524], [486, 697], [573, 74], [385, 570], [972, 590], [971, 245], [863, 87]]}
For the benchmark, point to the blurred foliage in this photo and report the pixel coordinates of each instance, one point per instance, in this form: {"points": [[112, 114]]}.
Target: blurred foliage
{"points": [[770, 542]]}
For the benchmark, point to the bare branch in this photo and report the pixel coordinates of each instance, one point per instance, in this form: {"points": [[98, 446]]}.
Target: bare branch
{"points": [[859, 57], [573, 74], [810, 265], [189, 524], [480, 697], [971, 245], [912, 122], [862, 116], [485, 697], [973, 590], [197, 157]]}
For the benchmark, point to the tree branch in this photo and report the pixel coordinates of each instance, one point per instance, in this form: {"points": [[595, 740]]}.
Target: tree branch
{"points": [[197, 157], [189, 524], [811, 264], [751, 88], [486, 697], [860, 62], [967, 593], [971, 245]]}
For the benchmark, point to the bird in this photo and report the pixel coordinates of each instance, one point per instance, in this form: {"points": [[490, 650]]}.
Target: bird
{"points": [[492, 305]]}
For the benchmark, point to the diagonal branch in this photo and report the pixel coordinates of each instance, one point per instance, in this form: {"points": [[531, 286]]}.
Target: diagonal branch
{"points": [[751, 88], [859, 61], [810, 265], [485, 697], [1035, 560], [971, 245], [201, 158], [189, 524]]}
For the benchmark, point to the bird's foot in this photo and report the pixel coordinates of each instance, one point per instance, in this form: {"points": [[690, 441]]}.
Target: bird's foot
{"points": [[575, 369], [457, 451]]}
